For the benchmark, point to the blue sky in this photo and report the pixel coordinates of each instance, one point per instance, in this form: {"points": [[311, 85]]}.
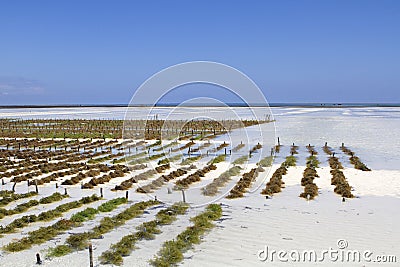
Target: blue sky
{"points": [[83, 52]]}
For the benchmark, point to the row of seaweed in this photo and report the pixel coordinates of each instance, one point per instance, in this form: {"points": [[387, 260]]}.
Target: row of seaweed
{"points": [[145, 231], [254, 149], [125, 185], [46, 215], [171, 252], [310, 188], [244, 183], [309, 174], [160, 181], [80, 241], [338, 179], [9, 197], [219, 147], [119, 171], [20, 208], [275, 183], [194, 177], [94, 171], [47, 233], [212, 188], [354, 159]]}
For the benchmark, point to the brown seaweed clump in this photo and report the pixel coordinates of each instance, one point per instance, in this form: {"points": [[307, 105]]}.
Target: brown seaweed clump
{"points": [[342, 187], [310, 188], [275, 183], [243, 184]]}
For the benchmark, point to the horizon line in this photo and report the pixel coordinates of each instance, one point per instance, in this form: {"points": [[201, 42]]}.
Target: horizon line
{"points": [[276, 104]]}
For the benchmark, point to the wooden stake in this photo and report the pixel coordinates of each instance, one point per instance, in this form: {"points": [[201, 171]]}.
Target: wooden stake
{"points": [[90, 255], [183, 196], [38, 260]]}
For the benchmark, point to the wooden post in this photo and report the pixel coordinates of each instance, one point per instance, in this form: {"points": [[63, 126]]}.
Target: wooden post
{"points": [[279, 142], [65, 191], [90, 255], [2, 182], [38, 260], [126, 194], [225, 150], [13, 188], [36, 188], [56, 185], [183, 196], [101, 192]]}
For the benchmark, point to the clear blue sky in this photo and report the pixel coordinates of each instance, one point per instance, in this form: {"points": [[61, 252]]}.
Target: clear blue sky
{"points": [[80, 52]]}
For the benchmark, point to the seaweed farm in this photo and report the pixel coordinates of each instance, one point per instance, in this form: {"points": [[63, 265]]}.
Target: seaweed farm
{"points": [[159, 192], [82, 172]]}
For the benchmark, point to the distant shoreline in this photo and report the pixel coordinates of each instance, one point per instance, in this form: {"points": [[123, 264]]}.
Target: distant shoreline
{"points": [[293, 105]]}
